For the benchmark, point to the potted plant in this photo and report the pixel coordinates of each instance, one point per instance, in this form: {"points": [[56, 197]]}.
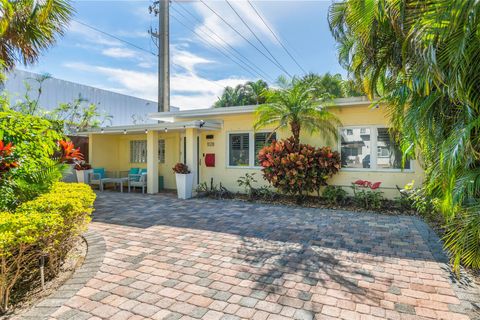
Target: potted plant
{"points": [[184, 180], [70, 156], [83, 171]]}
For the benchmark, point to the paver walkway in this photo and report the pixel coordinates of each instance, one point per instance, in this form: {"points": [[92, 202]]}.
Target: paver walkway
{"points": [[207, 259]]}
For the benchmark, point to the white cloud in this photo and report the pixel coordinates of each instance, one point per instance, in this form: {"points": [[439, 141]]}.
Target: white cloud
{"points": [[188, 89], [215, 23], [91, 35], [186, 59], [119, 52]]}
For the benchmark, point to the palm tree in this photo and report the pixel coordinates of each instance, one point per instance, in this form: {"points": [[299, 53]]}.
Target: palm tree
{"points": [[242, 95], [256, 90], [421, 57], [296, 105], [28, 27]]}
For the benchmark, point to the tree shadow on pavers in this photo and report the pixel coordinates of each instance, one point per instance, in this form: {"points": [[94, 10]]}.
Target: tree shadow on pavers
{"points": [[274, 263], [379, 235]]}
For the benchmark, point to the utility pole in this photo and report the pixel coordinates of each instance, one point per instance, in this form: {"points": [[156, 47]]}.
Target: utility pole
{"points": [[161, 8]]}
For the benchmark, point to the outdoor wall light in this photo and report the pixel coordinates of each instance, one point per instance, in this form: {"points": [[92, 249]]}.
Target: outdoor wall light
{"points": [[124, 131], [102, 131], [166, 130], [146, 131]]}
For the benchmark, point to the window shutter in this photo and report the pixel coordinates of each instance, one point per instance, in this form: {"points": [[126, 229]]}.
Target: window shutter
{"points": [[261, 141]]}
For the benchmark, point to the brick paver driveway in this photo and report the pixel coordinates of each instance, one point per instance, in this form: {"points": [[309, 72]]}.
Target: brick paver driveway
{"points": [[207, 259]]}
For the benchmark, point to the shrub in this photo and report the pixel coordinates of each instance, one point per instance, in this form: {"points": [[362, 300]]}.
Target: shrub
{"points": [[44, 227], [181, 168], [214, 191], [247, 182], [27, 159], [297, 171], [334, 195], [365, 196]]}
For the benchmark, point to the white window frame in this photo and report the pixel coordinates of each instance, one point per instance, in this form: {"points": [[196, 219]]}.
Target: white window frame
{"points": [[145, 141], [373, 150], [251, 148]]}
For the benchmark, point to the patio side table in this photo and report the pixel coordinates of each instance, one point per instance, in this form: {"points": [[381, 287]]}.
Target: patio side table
{"points": [[115, 181]]}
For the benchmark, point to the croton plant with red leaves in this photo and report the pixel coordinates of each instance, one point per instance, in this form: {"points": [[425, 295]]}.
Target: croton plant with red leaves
{"points": [[367, 184], [7, 158], [70, 154], [298, 170]]}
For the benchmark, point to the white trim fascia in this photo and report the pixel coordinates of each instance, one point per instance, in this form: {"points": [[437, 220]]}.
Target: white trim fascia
{"points": [[140, 128]]}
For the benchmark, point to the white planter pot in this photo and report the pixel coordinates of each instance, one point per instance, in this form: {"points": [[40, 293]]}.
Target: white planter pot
{"points": [[82, 175], [69, 175], [184, 185]]}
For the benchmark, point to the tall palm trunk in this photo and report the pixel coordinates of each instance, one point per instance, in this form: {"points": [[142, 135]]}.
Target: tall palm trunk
{"points": [[295, 127]]}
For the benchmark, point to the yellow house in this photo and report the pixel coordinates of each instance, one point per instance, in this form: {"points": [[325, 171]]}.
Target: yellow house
{"points": [[227, 135]]}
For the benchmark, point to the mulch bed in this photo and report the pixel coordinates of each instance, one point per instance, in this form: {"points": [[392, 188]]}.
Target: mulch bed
{"points": [[31, 293]]}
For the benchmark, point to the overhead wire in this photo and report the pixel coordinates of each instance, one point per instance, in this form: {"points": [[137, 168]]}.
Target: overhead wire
{"points": [[241, 35], [224, 43], [258, 39], [276, 37]]}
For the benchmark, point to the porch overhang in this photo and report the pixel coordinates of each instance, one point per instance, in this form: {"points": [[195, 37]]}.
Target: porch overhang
{"points": [[163, 126]]}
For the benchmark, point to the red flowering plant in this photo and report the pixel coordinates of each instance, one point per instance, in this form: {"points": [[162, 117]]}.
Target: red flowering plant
{"points": [[8, 161], [366, 194], [70, 154], [298, 169]]}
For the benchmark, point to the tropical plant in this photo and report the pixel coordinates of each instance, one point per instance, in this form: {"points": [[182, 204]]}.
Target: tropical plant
{"points": [[421, 58], [365, 194], [79, 115], [74, 116], [28, 27], [297, 105], [27, 157], [247, 182], [334, 195], [333, 85], [297, 169], [250, 93], [181, 168], [70, 154]]}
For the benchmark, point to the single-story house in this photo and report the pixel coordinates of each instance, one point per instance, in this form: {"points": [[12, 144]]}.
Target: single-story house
{"points": [[220, 143]]}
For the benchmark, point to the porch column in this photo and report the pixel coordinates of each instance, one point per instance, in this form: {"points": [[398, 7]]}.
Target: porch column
{"points": [[152, 162], [191, 146]]}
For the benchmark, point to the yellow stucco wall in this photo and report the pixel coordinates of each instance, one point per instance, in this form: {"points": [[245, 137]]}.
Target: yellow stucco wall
{"points": [[112, 152]]}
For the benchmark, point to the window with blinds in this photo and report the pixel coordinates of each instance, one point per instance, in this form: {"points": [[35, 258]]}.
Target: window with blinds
{"points": [[239, 147], [261, 141], [161, 151], [138, 151]]}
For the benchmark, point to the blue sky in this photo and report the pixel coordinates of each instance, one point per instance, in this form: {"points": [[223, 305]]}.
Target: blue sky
{"points": [[199, 70]]}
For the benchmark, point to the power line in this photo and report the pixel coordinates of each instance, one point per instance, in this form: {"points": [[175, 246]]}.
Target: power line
{"points": [[124, 41], [258, 39], [206, 41], [114, 37], [246, 60], [241, 35], [273, 33]]}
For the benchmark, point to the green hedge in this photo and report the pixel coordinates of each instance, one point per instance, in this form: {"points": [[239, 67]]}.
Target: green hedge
{"points": [[46, 226]]}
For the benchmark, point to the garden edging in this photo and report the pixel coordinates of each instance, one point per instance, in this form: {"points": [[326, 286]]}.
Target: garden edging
{"points": [[96, 249]]}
